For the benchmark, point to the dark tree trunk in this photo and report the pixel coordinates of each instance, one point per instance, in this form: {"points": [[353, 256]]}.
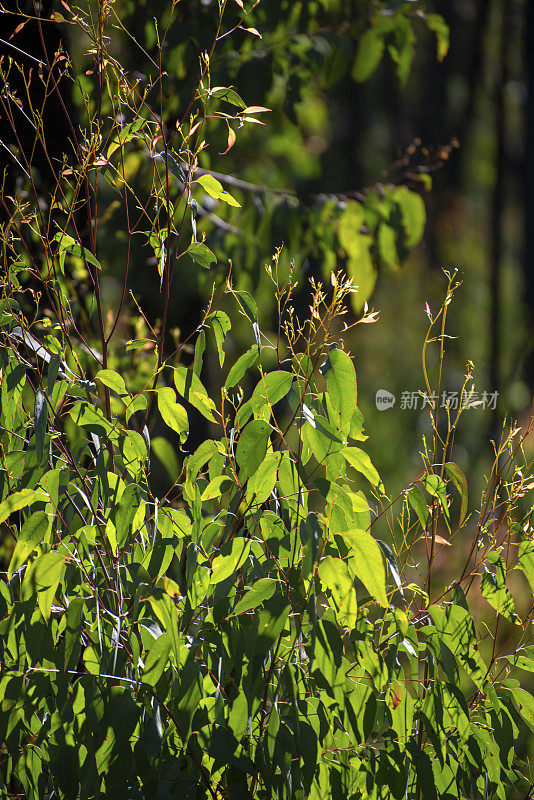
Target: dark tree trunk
{"points": [[528, 261]]}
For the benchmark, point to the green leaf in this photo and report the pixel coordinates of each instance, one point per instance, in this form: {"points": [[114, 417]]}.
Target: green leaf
{"points": [[91, 660], [361, 462], [271, 622], [458, 478], [524, 702], [370, 51], [191, 388], [125, 134], [31, 535], [113, 381], [68, 245], [42, 579], [174, 415], [417, 501], [221, 324], [166, 454], [165, 609], [228, 94], [386, 240], [138, 344], [413, 214], [19, 500], [401, 708], [456, 629], [252, 447], [262, 590], [336, 576], [157, 660], [437, 24], [244, 362], [126, 512], [367, 563], [525, 560], [200, 346], [247, 304], [261, 484], [271, 389], [73, 631], [357, 246], [523, 659], [201, 255], [493, 588], [214, 188], [436, 487], [216, 487], [231, 557], [92, 418], [342, 386]]}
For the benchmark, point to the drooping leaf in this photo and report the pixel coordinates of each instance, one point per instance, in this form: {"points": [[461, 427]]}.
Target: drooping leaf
{"points": [[69, 245], [238, 370], [417, 501], [525, 560], [437, 24], [42, 579], [413, 215], [261, 483], [456, 629], [524, 702], [458, 478], [362, 463], [191, 388], [436, 487], [157, 660], [73, 632], [370, 50], [231, 557], [220, 323], [342, 387], [493, 588], [174, 415], [166, 454], [336, 576], [31, 535], [252, 447], [367, 563], [216, 487]]}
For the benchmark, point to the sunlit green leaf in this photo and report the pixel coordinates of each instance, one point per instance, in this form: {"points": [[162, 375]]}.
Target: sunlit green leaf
{"points": [[214, 188], [174, 415], [252, 447], [231, 557], [261, 590], [366, 561], [31, 535], [336, 576], [220, 323], [189, 386]]}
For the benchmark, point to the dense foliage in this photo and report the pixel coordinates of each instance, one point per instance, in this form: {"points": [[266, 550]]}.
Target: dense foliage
{"points": [[271, 623]]}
